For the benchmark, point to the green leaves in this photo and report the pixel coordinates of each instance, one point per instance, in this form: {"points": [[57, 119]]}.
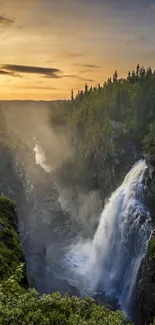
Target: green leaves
{"points": [[10, 248], [26, 307]]}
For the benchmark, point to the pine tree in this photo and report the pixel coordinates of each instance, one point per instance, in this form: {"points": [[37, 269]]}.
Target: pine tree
{"points": [[115, 76], [86, 88], [148, 72], [109, 80], [133, 76], [129, 76], [142, 74], [72, 94], [137, 71]]}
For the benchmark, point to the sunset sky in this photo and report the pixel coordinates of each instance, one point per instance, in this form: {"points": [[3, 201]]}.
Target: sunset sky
{"points": [[48, 47]]}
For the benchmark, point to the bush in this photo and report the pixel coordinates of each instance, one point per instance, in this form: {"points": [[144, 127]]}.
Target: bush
{"points": [[10, 248], [26, 307]]}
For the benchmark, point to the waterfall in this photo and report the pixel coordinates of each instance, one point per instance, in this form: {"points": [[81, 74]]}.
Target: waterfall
{"points": [[41, 159], [111, 260]]}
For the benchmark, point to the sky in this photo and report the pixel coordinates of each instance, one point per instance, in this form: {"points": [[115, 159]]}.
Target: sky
{"points": [[48, 47]]}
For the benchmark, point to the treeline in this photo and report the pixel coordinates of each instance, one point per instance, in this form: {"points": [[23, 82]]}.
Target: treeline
{"points": [[130, 101], [101, 118], [122, 103]]}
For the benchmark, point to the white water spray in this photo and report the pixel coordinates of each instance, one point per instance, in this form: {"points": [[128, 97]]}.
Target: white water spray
{"points": [[41, 159], [112, 259]]}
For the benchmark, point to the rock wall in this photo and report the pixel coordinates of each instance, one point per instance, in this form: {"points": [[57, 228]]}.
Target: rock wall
{"points": [[144, 294]]}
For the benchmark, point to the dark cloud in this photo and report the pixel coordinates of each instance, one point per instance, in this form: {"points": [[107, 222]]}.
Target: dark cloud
{"points": [[17, 71], [4, 21], [89, 66], [86, 79], [8, 73], [39, 87], [2, 72], [46, 72]]}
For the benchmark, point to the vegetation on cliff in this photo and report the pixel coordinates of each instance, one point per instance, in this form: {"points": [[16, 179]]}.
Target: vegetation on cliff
{"points": [[106, 119], [10, 248], [25, 307]]}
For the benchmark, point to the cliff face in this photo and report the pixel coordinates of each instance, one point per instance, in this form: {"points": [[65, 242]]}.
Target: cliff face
{"points": [[144, 294], [112, 169]]}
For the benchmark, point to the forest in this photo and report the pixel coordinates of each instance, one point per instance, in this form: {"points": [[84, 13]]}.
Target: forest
{"points": [[103, 117]]}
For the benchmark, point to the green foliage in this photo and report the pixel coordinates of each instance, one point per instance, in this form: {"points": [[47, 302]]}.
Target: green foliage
{"points": [[26, 307], [8, 210], [149, 140], [10, 249], [91, 113]]}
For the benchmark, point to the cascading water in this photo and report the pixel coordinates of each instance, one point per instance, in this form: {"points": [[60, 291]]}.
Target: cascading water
{"points": [[112, 259], [41, 159]]}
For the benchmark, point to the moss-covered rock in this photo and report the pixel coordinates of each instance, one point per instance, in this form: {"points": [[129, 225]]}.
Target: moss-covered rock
{"points": [[10, 248]]}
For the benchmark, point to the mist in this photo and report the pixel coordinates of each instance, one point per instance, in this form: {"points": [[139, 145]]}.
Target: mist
{"points": [[52, 213]]}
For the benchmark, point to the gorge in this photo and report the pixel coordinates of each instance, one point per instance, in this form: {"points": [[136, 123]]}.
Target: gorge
{"points": [[84, 191]]}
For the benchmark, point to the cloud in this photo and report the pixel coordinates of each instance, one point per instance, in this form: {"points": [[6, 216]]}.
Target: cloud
{"points": [[18, 71], [2, 72], [78, 77], [8, 73], [89, 66], [4, 21], [86, 71], [136, 39], [46, 72], [40, 87], [72, 55]]}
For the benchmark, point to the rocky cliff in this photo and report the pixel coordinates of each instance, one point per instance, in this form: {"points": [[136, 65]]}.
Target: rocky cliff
{"points": [[144, 294]]}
